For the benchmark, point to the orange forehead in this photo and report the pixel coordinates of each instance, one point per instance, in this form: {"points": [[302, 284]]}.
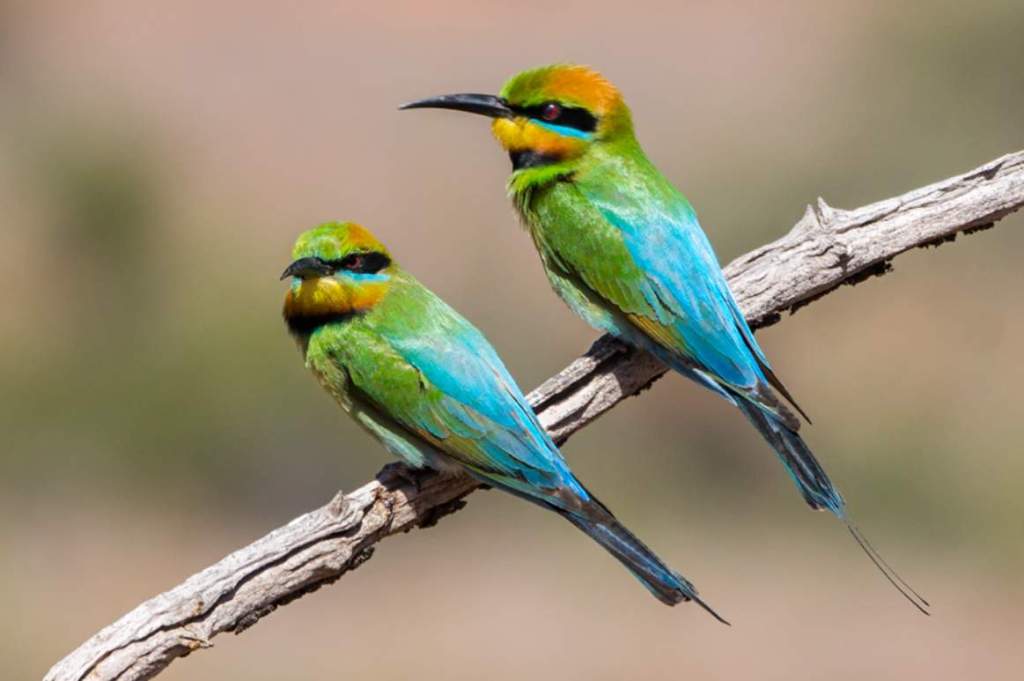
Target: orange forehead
{"points": [[570, 84], [361, 238], [582, 85]]}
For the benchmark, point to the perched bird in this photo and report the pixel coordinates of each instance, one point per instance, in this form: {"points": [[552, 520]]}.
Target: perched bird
{"points": [[623, 248], [427, 384]]}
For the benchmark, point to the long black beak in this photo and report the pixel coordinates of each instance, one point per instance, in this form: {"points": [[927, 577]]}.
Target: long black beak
{"points": [[307, 268], [485, 105]]}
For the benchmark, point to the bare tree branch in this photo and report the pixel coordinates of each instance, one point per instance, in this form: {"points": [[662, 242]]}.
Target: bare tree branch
{"points": [[828, 247]]}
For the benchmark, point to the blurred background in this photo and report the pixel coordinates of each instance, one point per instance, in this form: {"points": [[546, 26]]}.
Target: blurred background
{"points": [[157, 161]]}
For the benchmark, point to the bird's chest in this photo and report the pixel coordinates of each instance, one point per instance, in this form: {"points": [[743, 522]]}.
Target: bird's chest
{"points": [[333, 378], [564, 221], [573, 235], [577, 251], [327, 361]]}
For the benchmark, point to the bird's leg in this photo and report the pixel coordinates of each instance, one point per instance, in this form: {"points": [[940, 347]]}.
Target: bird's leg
{"points": [[403, 473]]}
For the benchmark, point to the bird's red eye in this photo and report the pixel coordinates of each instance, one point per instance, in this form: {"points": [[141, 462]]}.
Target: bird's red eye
{"points": [[551, 112], [362, 263]]}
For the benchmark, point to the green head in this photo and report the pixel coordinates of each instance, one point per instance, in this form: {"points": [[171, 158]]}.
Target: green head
{"points": [[338, 269], [550, 117]]}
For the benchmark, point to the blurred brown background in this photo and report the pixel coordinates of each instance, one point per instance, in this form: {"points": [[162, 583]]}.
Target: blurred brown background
{"points": [[157, 161]]}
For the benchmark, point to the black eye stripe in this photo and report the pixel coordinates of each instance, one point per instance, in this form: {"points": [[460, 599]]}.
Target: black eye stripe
{"points": [[570, 116], [361, 263]]}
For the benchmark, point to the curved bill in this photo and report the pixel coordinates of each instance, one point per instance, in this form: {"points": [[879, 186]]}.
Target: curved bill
{"points": [[485, 105], [307, 268]]}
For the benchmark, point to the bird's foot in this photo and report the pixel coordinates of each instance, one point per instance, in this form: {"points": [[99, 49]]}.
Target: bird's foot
{"points": [[413, 477]]}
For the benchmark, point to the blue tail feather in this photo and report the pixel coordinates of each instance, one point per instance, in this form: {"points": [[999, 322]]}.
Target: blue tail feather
{"points": [[800, 462], [818, 490], [597, 522], [667, 585]]}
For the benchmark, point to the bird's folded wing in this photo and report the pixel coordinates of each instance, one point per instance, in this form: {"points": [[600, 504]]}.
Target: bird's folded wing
{"points": [[647, 257], [449, 387]]}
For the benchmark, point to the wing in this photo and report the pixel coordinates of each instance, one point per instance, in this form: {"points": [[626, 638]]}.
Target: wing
{"points": [[652, 261], [438, 377], [684, 299]]}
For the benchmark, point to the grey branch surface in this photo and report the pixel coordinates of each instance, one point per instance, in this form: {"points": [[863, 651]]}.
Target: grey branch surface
{"points": [[828, 247]]}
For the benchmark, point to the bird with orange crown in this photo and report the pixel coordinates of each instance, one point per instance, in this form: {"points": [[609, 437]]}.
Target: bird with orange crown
{"points": [[623, 248]]}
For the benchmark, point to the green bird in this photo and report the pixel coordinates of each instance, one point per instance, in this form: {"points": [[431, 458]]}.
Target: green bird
{"points": [[427, 384], [623, 248]]}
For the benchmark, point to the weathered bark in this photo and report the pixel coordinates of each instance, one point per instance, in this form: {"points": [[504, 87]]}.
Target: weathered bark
{"points": [[828, 247]]}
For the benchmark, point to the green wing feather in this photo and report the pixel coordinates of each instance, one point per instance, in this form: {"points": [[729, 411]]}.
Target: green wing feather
{"points": [[419, 364]]}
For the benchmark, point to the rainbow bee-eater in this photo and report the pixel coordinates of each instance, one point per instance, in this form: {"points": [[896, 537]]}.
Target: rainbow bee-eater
{"points": [[623, 248], [427, 384]]}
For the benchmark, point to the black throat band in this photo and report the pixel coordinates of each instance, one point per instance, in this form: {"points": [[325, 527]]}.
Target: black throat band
{"points": [[527, 158], [305, 326]]}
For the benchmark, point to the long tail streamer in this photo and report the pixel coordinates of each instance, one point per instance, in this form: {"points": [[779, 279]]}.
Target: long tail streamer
{"points": [[894, 578]]}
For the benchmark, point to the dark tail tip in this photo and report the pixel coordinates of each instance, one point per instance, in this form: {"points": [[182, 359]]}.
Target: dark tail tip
{"points": [[697, 599], [803, 467], [665, 584], [894, 578]]}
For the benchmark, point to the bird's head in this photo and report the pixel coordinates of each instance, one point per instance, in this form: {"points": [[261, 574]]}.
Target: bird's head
{"points": [[548, 117], [338, 269]]}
